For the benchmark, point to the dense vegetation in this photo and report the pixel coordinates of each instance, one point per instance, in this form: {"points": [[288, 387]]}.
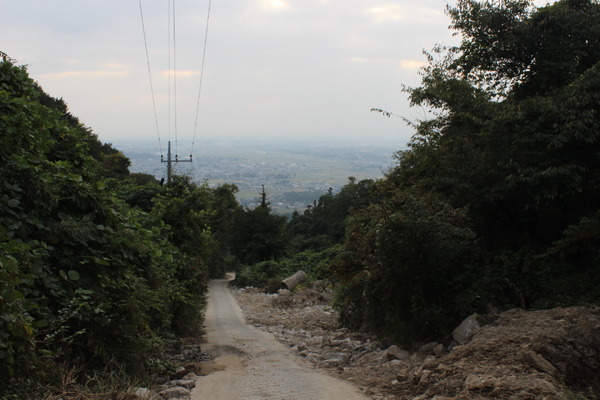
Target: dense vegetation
{"points": [[99, 269], [495, 204], [308, 241], [496, 201]]}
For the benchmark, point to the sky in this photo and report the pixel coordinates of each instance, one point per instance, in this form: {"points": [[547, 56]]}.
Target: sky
{"points": [[273, 69]]}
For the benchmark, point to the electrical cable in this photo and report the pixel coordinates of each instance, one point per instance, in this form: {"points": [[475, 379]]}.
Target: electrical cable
{"points": [[175, 78], [172, 77], [169, 70], [150, 78], [201, 76]]}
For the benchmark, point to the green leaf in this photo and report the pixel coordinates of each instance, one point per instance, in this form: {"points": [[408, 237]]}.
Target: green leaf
{"points": [[42, 323], [28, 329], [14, 295], [13, 203], [73, 275]]}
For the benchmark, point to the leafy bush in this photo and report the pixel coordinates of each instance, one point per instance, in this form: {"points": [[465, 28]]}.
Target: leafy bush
{"points": [[269, 274], [403, 268], [85, 278], [495, 201]]}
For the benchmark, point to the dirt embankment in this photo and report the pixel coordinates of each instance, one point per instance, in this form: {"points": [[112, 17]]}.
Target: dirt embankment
{"points": [[518, 355]]}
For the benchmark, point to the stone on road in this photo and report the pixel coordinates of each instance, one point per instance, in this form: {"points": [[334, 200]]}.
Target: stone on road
{"points": [[253, 365]]}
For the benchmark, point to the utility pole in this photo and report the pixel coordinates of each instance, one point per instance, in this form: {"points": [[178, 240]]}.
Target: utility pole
{"points": [[170, 162]]}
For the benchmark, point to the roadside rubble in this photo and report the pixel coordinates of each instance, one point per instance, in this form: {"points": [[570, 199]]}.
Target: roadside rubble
{"points": [[517, 355], [180, 384]]}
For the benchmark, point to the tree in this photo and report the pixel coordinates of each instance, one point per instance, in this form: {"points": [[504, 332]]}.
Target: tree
{"points": [[504, 175], [84, 278], [525, 162], [259, 234], [511, 48], [67, 247], [323, 223]]}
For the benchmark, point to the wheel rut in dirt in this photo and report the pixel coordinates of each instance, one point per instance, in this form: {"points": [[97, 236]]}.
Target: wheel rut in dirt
{"points": [[253, 365]]}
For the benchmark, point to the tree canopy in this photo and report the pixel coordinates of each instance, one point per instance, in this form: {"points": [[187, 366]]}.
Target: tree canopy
{"points": [[495, 203], [98, 268]]}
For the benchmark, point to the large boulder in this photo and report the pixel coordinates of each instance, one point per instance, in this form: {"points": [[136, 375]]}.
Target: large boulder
{"points": [[396, 353], [465, 331]]}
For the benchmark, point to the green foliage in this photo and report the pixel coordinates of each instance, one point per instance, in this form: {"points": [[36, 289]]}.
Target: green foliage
{"points": [[404, 266], [509, 46], [96, 268], [259, 235], [309, 242], [269, 274], [495, 203], [323, 223], [265, 274], [16, 324]]}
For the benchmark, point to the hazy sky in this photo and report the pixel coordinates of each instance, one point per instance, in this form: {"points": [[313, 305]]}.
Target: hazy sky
{"points": [[308, 69]]}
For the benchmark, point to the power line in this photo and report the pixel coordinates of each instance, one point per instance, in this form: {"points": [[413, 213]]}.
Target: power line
{"points": [[174, 76], [150, 77], [169, 69], [172, 82], [201, 75]]}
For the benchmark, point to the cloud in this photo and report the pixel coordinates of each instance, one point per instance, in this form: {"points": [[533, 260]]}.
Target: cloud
{"points": [[412, 64], [280, 65], [274, 5], [181, 73], [85, 74], [403, 64], [114, 66], [278, 3], [392, 13]]}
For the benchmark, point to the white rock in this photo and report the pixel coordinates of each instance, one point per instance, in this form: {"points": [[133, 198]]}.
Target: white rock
{"points": [[191, 376], [396, 353], [187, 383], [316, 340], [429, 359], [176, 392], [142, 392], [465, 331], [146, 394], [439, 349]]}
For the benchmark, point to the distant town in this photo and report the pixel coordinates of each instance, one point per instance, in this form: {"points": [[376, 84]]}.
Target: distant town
{"points": [[294, 174]]}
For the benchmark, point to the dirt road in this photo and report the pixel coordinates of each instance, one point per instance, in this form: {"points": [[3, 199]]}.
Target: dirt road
{"points": [[252, 365]]}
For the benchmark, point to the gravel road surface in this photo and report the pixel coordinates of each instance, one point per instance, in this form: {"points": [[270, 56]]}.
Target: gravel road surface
{"points": [[252, 365]]}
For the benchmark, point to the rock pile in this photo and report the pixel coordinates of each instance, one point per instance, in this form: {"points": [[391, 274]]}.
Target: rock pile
{"points": [[179, 389], [180, 384], [306, 322], [517, 355]]}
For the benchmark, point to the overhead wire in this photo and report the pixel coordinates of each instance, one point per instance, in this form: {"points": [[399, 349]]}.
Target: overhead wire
{"points": [[169, 69], [150, 78], [172, 76], [201, 76]]}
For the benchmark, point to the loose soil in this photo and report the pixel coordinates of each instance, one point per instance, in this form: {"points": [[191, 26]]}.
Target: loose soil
{"points": [[517, 355]]}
